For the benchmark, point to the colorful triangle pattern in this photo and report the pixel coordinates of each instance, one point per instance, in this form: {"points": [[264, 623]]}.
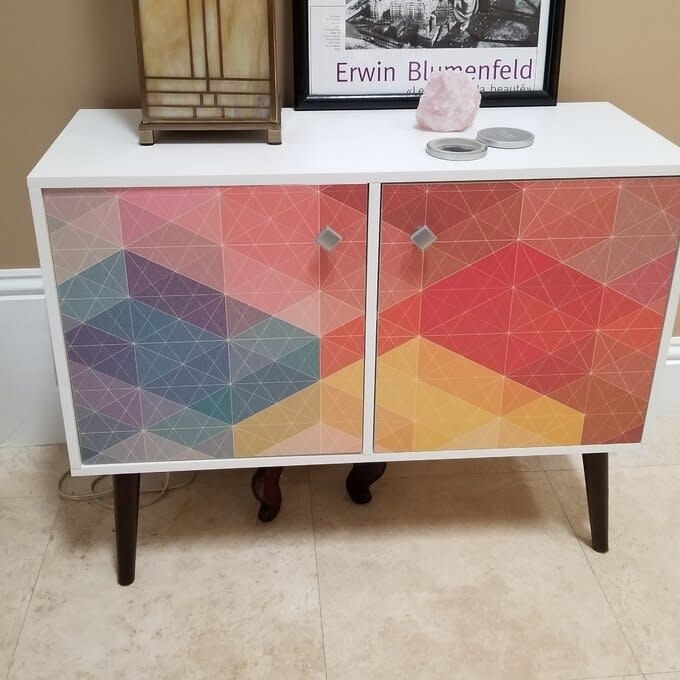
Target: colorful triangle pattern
{"points": [[207, 323], [534, 320]]}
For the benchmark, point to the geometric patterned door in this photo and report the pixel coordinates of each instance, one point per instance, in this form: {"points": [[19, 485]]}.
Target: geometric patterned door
{"points": [[535, 318], [208, 322]]}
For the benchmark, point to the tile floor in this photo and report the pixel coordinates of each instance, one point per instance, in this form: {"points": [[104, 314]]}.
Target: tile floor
{"points": [[458, 570]]}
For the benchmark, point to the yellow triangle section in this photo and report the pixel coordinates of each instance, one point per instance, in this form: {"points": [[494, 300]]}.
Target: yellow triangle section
{"points": [[431, 399], [326, 417]]}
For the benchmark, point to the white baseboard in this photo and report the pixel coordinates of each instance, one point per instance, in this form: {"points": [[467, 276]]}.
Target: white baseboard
{"points": [[669, 389], [29, 402]]}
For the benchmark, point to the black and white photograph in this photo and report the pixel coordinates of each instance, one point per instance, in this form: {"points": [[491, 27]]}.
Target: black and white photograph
{"points": [[427, 24], [382, 53]]}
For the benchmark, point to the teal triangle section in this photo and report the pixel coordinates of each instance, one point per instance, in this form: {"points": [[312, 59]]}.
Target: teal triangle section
{"points": [[274, 329], [249, 399], [115, 321], [216, 406], [94, 290], [243, 361], [273, 349], [150, 325], [305, 359], [270, 342], [154, 362]]}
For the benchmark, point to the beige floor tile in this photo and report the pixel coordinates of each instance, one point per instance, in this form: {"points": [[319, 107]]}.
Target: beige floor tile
{"points": [[640, 574], [25, 525], [468, 578], [666, 428], [31, 471], [427, 468], [567, 461], [618, 677], [656, 453], [217, 595], [664, 446], [574, 461], [434, 468], [662, 676]]}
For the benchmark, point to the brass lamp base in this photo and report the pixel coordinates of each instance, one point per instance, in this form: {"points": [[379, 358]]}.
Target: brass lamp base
{"points": [[147, 131]]}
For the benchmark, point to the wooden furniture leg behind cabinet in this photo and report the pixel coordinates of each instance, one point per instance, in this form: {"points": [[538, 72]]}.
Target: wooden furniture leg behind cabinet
{"points": [[360, 478], [266, 489]]}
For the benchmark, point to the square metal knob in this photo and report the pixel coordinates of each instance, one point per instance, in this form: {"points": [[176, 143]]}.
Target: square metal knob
{"points": [[328, 239], [423, 237]]}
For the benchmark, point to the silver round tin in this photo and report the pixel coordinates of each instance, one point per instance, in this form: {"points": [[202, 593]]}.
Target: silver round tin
{"points": [[506, 137], [456, 149]]}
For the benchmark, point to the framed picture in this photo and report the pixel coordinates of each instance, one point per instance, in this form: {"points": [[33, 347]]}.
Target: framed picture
{"points": [[373, 54]]}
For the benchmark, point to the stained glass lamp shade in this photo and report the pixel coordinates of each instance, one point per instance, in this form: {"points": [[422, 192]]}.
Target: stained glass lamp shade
{"points": [[208, 65]]}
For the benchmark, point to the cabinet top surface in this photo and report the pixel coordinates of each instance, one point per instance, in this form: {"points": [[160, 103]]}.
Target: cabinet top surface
{"points": [[99, 147]]}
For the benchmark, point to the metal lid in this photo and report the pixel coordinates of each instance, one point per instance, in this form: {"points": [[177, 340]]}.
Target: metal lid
{"points": [[506, 137], [456, 149]]}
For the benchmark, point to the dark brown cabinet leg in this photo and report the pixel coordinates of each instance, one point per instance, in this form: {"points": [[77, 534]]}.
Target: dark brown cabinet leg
{"points": [[126, 512], [360, 479], [596, 468], [266, 489]]}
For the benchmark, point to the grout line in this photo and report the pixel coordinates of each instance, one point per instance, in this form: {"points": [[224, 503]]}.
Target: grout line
{"points": [[610, 677], [457, 474], [597, 580], [318, 580], [35, 583], [648, 466]]}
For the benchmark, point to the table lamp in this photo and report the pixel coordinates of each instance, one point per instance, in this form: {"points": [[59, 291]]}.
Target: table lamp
{"points": [[208, 65]]}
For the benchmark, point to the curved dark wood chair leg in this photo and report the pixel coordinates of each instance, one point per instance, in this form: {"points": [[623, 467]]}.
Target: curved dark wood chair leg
{"points": [[360, 479], [126, 517], [596, 468], [267, 491]]}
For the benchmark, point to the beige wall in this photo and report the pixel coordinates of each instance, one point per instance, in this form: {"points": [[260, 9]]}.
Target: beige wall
{"points": [[70, 54], [60, 56]]}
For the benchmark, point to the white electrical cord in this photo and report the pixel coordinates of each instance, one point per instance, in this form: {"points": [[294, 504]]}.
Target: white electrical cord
{"points": [[96, 496]]}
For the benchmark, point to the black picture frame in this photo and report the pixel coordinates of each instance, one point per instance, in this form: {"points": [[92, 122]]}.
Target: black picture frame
{"points": [[304, 101]]}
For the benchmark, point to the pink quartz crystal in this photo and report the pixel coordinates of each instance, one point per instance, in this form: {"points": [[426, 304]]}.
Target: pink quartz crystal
{"points": [[449, 103]]}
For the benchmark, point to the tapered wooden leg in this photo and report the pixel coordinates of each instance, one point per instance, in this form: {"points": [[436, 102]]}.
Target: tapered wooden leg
{"points": [[360, 478], [126, 511], [596, 468], [266, 489]]}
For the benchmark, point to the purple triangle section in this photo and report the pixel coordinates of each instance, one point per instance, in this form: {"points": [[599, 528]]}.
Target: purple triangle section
{"points": [[175, 294], [122, 405], [102, 352], [155, 408], [241, 317]]}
